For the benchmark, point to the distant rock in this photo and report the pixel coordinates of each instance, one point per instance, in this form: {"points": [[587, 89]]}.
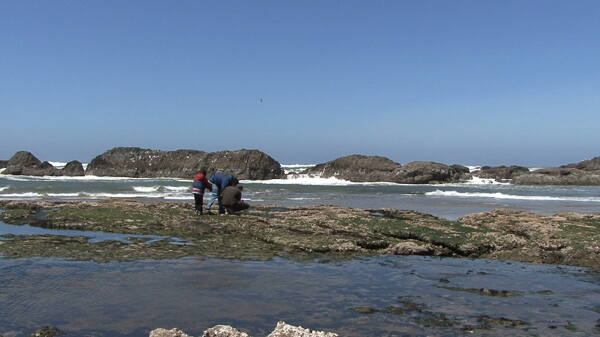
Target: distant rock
{"points": [[3, 163], [500, 173], [559, 176], [25, 163], [360, 168], [586, 165], [73, 168], [281, 330], [146, 163]]}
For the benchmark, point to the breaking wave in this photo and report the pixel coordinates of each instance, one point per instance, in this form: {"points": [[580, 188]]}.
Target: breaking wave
{"points": [[498, 195], [4, 188]]}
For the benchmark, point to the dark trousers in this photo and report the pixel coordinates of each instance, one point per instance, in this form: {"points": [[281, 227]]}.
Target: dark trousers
{"points": [[198, 200], [238, 206]]}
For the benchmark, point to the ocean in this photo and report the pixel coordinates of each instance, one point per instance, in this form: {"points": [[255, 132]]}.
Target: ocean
{"points": [[443, 200]]}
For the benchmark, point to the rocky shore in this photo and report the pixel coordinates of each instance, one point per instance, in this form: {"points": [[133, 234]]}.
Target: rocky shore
{"points": [[256, 165], [301, 233], [281, 330]]}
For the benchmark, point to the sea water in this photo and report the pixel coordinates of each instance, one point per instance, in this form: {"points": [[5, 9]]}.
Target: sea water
{"points": [[445, 200]]}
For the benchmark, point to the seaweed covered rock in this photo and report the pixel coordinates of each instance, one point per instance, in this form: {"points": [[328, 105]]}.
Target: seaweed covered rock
{"points": [[145, 163], [360, 168]]}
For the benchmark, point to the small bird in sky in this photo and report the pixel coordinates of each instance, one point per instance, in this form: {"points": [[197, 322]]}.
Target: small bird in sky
{"points": [[260, 100]]}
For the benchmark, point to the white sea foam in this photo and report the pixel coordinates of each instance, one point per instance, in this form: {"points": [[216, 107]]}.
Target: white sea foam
{"points": [[297, 165], [145, 188], [483, 181], [84, 178], [58, 164], [304, 179], [498, 195], [177, 188], [4, 188], [2, 169], [473, 168]]}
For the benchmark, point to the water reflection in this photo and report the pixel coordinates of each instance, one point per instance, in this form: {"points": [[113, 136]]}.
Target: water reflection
{"points": [[130, 299]]}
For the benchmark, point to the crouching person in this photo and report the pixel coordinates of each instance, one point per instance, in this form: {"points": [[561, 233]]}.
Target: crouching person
{"points": [[232, 199]]}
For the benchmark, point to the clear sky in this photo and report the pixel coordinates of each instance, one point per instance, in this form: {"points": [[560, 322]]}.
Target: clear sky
{"points": [[470, 82]]}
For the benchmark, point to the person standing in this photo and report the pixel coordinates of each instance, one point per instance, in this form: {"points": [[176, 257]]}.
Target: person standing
{"points": [[219, 182], [232, 199], [199, 185]]}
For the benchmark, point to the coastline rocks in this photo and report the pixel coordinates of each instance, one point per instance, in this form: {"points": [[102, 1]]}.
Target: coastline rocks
{"points": [[281, 330], [73, 168], [359, 168], [586, 165], [25, 163], [559, 176], [500, 173], [145, 163], [3, 163]]}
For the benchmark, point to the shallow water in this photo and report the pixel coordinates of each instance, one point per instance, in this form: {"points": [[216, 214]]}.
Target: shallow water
{"points": [[131, 298]]}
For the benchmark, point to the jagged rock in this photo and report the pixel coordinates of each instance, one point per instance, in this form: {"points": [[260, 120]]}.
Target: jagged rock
{"points": [[586, 165], [25, 163], [359, 168], [410, 248], [286, 330], [500, 173], [137, 162], [73, 168], [224, 331], [3, 163], [160, 332], [559, 176]]}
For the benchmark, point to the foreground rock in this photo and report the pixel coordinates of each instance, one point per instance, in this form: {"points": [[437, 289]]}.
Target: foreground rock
{"points": [[281, 330], [500, 173], [299, 233], [359, 168], [25, 163], [144, 163]]}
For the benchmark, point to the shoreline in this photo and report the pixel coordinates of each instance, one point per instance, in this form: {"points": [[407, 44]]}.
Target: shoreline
{"points": [[298, 233]]}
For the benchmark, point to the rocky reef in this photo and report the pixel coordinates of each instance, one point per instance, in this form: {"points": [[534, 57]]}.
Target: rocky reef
{"points": [[500, 173], [584, 173], [145, 163], [359, 168], [281, 330], [25, 163], [300, 233]]}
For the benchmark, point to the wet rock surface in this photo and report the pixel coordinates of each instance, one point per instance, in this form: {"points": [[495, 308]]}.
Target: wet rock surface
{"points": [[146, 163], [265, 232], [25, 163], [359, 168]]}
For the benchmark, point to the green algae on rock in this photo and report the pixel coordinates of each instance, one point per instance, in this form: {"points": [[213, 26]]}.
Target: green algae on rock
{"points": [[300, 233]]}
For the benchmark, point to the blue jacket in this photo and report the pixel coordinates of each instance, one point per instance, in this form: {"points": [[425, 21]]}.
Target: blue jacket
{"points": [[222, 180]]}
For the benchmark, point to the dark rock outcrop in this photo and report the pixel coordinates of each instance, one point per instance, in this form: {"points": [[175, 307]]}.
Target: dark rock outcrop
{"points": [[73, 168], [559, 176], [25, 163], [146, 163], [586, 165], [359, 168], [3, 163], [500, 173]]}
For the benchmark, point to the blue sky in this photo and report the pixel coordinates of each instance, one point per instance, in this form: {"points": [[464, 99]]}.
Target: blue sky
{"points": [[470, 82]]}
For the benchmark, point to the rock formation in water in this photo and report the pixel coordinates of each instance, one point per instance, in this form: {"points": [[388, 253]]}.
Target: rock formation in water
{"points": [[559, 176], [359, 168], [25, 163], [281, 330], [3, 163], [145, 163], [500, 173]]}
